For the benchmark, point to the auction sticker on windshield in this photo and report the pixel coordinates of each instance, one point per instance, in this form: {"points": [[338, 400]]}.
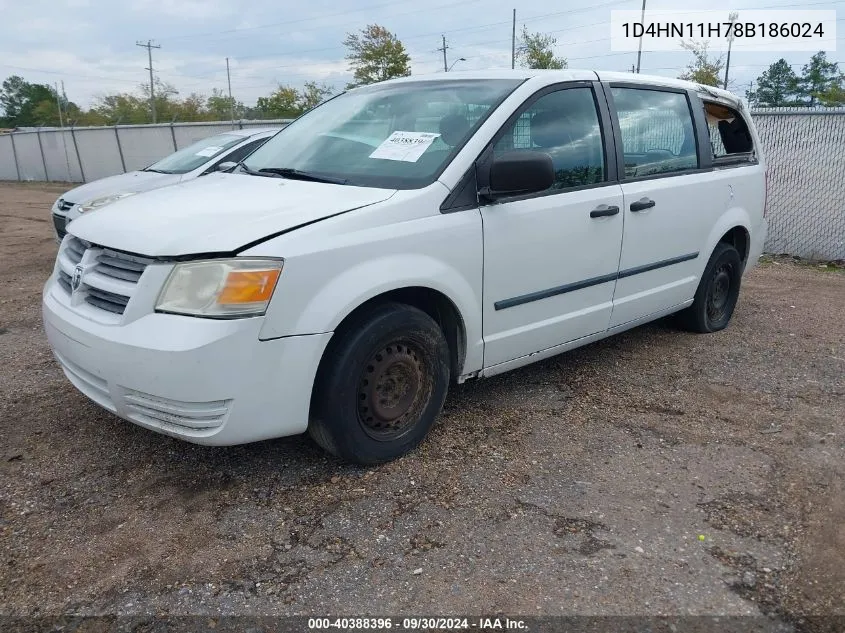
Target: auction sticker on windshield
{"points": [[404, 146]]}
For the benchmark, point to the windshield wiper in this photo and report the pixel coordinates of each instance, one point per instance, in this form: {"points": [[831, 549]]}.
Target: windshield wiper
{"points": [[260, 172], [157, 171], [296, 174]]}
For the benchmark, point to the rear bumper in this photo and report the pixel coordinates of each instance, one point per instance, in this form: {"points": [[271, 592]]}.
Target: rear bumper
{"points": [[205, 381]]}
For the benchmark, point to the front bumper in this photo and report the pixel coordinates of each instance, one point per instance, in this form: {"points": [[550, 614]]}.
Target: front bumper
{"points": [[202, 380]]}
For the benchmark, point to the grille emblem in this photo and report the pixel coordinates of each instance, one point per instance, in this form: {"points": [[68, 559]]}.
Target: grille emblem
{"points": [[76, 278]]}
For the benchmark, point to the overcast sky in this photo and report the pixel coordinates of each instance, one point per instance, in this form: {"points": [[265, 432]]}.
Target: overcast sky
{"points": [[90, 44]]}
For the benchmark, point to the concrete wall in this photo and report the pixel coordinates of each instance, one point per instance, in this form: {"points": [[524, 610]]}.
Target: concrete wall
{"points": [[89, 153]]}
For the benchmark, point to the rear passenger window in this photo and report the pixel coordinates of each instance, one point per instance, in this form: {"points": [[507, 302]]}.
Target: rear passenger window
{"points": [[730, 139], [658, 136], [565, 125]]}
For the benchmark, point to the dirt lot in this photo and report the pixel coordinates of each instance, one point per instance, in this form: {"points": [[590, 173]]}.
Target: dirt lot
{"points": [[654, 473]]}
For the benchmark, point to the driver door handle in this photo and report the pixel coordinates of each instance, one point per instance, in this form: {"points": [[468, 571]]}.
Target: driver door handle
{"points": [[603, 211], [642, 204]]}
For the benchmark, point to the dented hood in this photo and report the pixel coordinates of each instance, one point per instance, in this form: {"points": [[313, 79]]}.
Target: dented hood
{"points": [[217, 213]]}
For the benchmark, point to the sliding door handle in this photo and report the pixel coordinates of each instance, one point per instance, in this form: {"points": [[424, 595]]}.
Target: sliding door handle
{"points": [[642, 204], [602, 211]]}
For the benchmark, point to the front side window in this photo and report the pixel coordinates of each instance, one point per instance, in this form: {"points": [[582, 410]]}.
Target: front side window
{"points": [[396, 136], [565, 125], [195, 155], [658, 135]]}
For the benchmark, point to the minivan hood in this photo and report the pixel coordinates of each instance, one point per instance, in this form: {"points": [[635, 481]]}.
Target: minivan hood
{"points": [[133, 181], [218, 213]]}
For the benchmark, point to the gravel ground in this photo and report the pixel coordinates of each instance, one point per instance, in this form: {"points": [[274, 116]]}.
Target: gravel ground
{"points": [[657, 472]]}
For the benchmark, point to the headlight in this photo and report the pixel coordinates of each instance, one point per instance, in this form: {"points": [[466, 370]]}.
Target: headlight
{"points": [[97, 203], [220, 288]]}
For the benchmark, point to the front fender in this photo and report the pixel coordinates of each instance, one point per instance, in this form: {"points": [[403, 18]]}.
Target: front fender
{"points": [[343, 294], [331, 270]]}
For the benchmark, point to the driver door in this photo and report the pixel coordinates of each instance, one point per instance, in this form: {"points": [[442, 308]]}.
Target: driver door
{"points": [[551, 258]]}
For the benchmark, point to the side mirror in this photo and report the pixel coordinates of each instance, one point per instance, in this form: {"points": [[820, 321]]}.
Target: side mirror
{"points": [[520, 172], [226, 166]]}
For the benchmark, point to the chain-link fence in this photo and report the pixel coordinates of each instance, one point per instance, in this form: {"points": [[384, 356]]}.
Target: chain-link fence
{"points": [[805, 151]]}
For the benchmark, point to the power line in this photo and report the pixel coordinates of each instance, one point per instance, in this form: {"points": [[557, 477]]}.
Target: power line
{"points": [[439, 32], [59, 72], [236, 31]]}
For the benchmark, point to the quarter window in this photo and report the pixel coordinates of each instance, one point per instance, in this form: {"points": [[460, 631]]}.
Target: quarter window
{"points": [[730, 139], [564, 124], [658, 135]]}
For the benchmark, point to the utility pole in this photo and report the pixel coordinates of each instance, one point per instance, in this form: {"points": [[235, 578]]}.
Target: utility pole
{"points": [[62, 124], [513, 41], [640, 49], [231, 101], [443, 48], [150, 46], [731, 18], [59, 103]]}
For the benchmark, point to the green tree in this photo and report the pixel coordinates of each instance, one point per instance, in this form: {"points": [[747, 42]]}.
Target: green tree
{"points": [[375, 54], [220, 107], [121, 108], [817, 78], [313, 94], [536, 51], [835, 95], [776, 87], [704, 69], [192, 108], [283, 103], [26, 104], [167, 108]]}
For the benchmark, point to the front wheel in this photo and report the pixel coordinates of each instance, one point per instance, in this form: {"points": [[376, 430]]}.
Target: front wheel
{"points": [[381, 385], [717, 293]]}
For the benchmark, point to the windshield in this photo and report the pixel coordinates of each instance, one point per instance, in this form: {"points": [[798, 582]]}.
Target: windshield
{"points": [[396, 136], [195, 155]]}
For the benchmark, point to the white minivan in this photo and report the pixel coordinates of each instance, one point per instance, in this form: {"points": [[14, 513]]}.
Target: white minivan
{"points": [[402, 236], [198, 159]]}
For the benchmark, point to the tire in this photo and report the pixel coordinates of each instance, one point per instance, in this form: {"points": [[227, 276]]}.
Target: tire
{"points": [[381, 385], [717, 293]]}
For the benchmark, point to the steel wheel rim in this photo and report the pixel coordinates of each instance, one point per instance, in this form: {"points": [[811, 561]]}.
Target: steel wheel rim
{"points": [[392, 391], [719, 293]]}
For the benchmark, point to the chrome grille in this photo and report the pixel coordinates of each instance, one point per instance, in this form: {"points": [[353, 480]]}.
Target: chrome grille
{"points": [[75, 249], [104, 300], [109, 276], [64, 280], [121, 266], [64, 205]]}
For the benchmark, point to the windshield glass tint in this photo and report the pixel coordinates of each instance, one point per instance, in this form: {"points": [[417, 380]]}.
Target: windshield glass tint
{"points": [[397, 136], [195, 155]]}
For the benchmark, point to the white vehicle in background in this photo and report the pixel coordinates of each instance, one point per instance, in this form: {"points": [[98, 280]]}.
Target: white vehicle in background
{"points": [[203, 157], [403, 236]]}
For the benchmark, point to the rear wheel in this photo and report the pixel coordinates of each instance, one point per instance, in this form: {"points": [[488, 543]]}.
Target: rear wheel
{"points": [[381, 385], [717, 293]]}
